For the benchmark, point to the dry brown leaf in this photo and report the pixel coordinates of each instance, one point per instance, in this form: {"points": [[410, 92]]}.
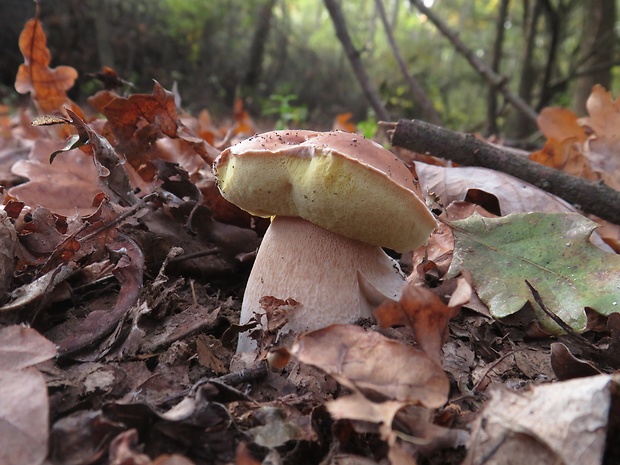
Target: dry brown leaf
{"points": [[343, 123], [564, 422], [66, 186], [514, 195], [425, 313], [357, 359], [24, 406], [8, 243], [47, 85], [603, 148], [565, 140], [358, 407]]}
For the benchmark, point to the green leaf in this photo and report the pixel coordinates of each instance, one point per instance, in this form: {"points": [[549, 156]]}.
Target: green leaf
{"points": [[551, 251]]}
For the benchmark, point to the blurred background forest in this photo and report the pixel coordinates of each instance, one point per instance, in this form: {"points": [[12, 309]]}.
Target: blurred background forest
{"points": [[285, 60]]}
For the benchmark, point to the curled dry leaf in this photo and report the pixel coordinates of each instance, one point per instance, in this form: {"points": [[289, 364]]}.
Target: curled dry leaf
{"points": [[425, 313], [139, 121], [514, 195], [357, 359], [99, 323]]}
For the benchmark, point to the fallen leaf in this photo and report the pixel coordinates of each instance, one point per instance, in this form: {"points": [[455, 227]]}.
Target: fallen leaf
{"points": [[358, 407], [565, 422], [64, 187], [124, 450], [356, 358], [424, 312], [8, 242], [141, 120], [112, 177], [99, 323], [551, 251], [566, 366], [22, 347], [24, 405], [513, 195], [603, 147]]}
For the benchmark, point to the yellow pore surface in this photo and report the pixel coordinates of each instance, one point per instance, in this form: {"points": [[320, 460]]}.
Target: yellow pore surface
{"points": [[329, 190]]}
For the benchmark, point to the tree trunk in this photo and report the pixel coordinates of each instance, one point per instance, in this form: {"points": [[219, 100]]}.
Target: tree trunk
{"points": [[596, 50], [354, 59], [428, 110], [523, 126], [257, 50], [496, 59]]}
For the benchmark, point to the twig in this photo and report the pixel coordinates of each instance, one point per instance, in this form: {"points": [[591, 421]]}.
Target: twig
{"points": [[254, 373], [592, 197], [372, 95], [130, 211], [497, 362], [561, 323]]}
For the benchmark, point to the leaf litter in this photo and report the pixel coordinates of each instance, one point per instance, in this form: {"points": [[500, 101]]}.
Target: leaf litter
{"points": [[123, 269]]}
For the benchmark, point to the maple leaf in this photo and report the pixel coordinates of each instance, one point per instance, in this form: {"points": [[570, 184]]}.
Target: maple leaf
{"points": [[549, 250], [47, 85]]}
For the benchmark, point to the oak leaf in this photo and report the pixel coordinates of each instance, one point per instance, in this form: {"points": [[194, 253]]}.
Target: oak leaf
{"points": [[47, 85], [552, 251]]}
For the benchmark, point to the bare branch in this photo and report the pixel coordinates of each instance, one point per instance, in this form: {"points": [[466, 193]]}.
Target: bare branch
{"points": [[354, 59], [414, 86], [492, 78]]}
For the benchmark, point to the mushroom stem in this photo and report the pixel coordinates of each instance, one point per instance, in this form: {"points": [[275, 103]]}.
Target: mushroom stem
{"points": [[333, 278]]}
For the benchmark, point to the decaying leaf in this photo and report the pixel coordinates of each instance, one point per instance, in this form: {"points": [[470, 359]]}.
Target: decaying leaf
{"points": [[66, 186], [513, 195], [356, 358], [112, 176], [564, 422], [551, 251], [24, 406], [425, 313], [143, 126]]}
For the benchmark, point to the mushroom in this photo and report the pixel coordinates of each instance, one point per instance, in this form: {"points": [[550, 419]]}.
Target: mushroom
{"points": [[335, 199]]}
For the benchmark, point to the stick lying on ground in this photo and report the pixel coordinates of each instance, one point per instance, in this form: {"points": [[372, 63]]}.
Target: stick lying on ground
{"points": [[592, 197]]}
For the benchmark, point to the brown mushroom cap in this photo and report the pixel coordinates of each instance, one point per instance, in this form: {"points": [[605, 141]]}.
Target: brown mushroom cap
{"points": [[340, 181]]}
